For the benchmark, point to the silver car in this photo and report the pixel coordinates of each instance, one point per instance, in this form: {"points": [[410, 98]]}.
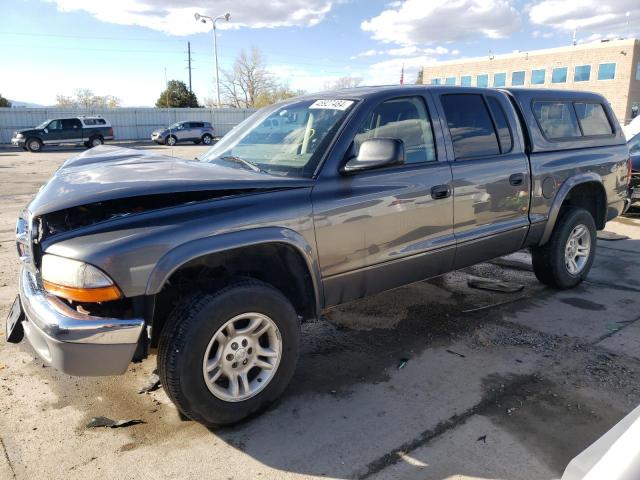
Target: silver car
{"points": [[196, 132]]}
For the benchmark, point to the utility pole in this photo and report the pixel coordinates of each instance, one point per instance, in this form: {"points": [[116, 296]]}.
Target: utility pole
{"points": [[189, 60]]}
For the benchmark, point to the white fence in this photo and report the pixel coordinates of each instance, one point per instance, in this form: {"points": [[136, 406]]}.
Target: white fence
{"points": [[128, 123]]}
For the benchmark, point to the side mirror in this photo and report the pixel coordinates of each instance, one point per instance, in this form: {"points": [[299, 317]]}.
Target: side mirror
{"points": [[46, 130], [376, 153]]}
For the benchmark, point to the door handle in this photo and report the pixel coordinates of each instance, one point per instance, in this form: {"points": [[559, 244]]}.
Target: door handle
{"points": [[440, 191], [516, 179]]}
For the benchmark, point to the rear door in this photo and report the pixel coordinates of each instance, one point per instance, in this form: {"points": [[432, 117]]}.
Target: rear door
{"points": [[379, 229], [490, 175]]}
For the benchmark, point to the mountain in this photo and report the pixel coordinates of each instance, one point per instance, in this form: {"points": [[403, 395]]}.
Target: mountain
{"points": [[18, 104]]}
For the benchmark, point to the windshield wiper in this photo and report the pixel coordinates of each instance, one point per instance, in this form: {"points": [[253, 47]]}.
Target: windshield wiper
{"points": [[242, 161]]}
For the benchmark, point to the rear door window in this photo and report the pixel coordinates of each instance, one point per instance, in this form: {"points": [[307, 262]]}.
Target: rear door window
{"points": [[593, 119], [405, 119], [502, 125], [71, 124], [556, 119], [470, 126]]}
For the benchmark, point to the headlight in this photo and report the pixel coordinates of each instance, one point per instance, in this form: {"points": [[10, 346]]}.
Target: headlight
{"points": [[19, 135], [77, 281]]}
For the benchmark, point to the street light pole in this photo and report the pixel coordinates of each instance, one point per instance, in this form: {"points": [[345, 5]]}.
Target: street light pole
{"points": [[203, 19]]}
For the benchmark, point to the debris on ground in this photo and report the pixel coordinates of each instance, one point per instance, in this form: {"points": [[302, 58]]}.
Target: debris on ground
{"points": [[494, 285], [403, 363], [482, 439], [611, 236], [455, 353], [97, 422], [484, 307], [153, 384]]}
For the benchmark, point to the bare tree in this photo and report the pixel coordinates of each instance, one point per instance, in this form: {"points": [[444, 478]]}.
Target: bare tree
{"points": [[248, 80], [343, 82], [85, 98]]}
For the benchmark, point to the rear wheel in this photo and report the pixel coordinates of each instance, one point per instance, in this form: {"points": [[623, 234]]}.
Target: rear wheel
{"points": [[96, 141], [34, 144], [170, 140], [207, 139], [228, 355], [565, 260]]}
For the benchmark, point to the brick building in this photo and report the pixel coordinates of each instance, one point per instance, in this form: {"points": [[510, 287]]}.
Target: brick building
{"points": [[611, 68]]}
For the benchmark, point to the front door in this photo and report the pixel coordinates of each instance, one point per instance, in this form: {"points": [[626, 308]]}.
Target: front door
{"points": [[490, 176], [379, 229]]}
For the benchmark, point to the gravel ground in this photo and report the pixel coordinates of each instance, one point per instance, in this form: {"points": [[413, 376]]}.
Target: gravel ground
{"points": [[436, 380]]}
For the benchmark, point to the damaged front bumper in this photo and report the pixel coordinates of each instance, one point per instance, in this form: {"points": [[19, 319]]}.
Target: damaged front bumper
{"points": [[75, 343]]}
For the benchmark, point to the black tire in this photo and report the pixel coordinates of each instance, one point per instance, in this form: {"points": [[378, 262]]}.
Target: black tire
{"points": [[171, 140], [95, 141], [186, 336], [33, 144], [207, 139], [549, 263]]}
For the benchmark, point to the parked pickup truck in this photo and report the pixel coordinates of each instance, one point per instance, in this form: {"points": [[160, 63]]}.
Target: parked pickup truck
{"points": [[217, 262], [89, 131]]}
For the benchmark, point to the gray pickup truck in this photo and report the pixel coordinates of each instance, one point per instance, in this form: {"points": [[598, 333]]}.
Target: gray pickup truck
{"points": [[216, 262]]}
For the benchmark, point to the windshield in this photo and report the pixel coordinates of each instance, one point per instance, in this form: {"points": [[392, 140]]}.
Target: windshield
{"points": [[43, 124], [634, 144], [283, 139], [174, 126]]}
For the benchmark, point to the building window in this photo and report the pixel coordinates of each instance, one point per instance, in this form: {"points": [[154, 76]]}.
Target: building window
{"points": [[557, 119], [450, 81], [607, 71], [435, 81], [499, 79], [537, 76], [517, 78], [638, 71], [465, 80], [582, 73], [482, 80], [559, 75]]}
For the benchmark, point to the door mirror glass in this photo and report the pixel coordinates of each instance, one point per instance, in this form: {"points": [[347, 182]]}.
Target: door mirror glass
{"points": [[376, 153]]}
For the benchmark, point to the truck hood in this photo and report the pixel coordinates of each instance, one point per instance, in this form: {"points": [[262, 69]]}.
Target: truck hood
{"points": [[109, 173]]}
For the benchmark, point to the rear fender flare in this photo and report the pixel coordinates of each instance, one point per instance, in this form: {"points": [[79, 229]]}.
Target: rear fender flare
{"points": [[561, 195]]}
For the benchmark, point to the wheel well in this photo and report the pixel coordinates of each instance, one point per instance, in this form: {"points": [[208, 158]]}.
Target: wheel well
{"points": [[278, 264], [592, 198]]}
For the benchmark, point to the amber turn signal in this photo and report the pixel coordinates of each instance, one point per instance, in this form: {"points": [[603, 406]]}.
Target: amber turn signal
{"points": [[85, 295]]}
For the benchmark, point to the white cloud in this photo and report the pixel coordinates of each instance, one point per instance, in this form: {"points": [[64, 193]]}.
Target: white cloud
{"points": [[388, 72], [369, 53], [588, 16], [417, 21], [176, 18]]}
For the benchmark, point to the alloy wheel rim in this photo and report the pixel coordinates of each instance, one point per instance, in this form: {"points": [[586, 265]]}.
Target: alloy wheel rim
{"points": [[96, 142], [171, 141], [34, 145], [577, 249], [206, 140], [242, 357]]}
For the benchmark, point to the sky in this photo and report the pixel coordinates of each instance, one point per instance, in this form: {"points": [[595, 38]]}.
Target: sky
{"points": [[124, 47]]}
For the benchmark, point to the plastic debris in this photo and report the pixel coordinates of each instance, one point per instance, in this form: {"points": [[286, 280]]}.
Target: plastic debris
{"points": [[482, 439], [403, 363], [97, 422], [494, 285], [455, 353], [611, 236], [153, 384]]}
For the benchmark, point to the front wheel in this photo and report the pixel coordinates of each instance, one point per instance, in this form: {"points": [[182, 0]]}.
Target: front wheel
{"points": [[34, 144], [170, 141], [565, 260], [225, 356]]}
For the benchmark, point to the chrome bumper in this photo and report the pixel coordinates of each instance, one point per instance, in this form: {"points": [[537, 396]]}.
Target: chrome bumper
{"points": [[72, 342], [18, 142]]}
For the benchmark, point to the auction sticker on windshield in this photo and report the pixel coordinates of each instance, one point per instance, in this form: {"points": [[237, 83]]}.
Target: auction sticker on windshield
{"points": [[332, 104]]}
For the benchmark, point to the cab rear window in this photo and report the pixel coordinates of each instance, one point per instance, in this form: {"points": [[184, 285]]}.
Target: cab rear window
{"points": [[566, 120]]}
